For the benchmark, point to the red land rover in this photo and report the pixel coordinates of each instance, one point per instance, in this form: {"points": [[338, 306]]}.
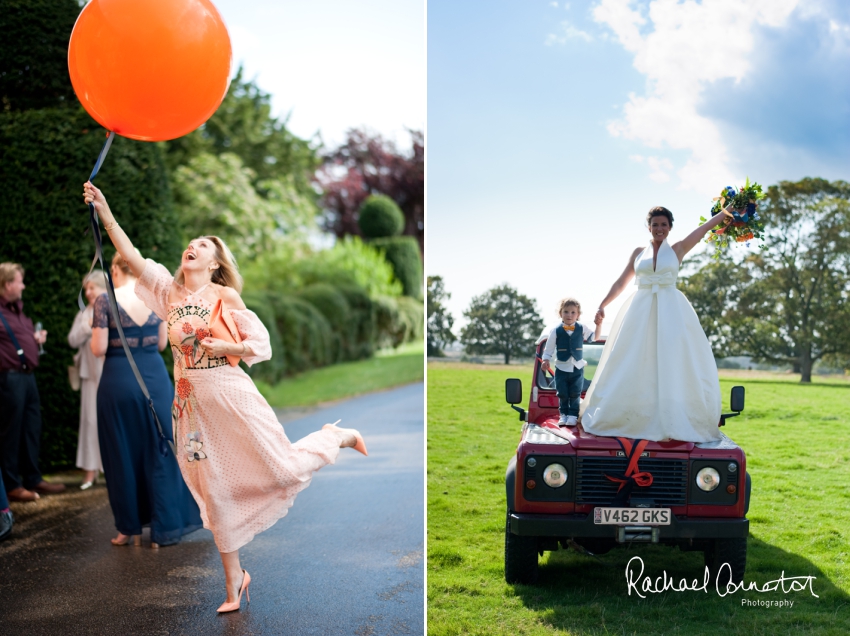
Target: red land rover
{"points": [[565, 488]]}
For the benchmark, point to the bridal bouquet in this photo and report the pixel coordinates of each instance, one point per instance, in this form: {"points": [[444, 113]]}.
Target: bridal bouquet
{"points": [[743, 223]]}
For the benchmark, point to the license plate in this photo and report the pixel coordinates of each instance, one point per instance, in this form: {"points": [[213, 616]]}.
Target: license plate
{"points": [[632, 516]]}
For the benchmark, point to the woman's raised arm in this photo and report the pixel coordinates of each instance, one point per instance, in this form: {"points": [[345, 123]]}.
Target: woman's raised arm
{"points": [[690, 241], [619, 285], [119, 238]]}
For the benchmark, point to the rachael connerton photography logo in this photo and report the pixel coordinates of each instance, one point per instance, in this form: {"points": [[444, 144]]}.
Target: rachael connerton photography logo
{"points": [[637, 582]]}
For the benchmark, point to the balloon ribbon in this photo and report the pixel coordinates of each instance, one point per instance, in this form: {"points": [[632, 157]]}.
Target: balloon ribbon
{"points": [[164, 442]]}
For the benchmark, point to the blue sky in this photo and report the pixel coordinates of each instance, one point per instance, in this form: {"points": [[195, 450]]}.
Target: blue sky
{"points": [[336, 64], [553, 127]]}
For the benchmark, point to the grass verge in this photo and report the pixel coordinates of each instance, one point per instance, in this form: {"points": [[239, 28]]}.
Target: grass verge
{"points": [[386, 370], [794, 436]]}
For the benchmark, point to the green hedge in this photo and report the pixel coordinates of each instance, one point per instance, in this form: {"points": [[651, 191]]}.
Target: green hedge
{"points": [[34, 53], [412, 317], [364, 331], [273, 370], [402, 252], [335, 308], [45, 157], [399, 320], [305, 333]]}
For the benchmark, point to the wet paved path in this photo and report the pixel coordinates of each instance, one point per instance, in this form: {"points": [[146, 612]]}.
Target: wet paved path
{"points": [[347, 559]]}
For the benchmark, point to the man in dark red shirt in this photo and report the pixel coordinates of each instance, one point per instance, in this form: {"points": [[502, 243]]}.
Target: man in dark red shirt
{"points": [[20, 406]]}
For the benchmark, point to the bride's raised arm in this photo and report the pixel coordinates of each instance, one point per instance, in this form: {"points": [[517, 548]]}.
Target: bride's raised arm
{"points": [[119, 239], [619, 285], [690, 241]]}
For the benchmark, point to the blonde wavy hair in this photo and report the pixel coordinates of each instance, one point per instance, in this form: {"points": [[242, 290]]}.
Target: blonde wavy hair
{"points": [[227, 273]]}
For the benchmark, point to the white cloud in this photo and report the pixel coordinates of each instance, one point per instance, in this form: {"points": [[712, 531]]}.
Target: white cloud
{"points": [[682, 48], [567, 32], [553, 4]]}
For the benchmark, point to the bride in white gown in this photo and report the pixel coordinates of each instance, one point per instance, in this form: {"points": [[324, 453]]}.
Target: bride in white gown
{"points": [[657, 378]]}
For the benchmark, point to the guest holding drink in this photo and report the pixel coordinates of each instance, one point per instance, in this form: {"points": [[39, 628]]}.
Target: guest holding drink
{"points": [[90, 368], [20, 405]]}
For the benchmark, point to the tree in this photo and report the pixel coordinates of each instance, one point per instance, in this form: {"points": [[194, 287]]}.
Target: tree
{"points": [[501, 321], [366, 165], [440, 321], [244, 176], [788, 303], [712, 290], [214, 195]]}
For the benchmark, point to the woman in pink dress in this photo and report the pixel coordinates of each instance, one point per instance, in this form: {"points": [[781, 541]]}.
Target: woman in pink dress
{"points": [[233, 453]]}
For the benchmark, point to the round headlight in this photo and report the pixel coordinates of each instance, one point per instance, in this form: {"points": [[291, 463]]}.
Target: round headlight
{"points": [[555, 475], [708, 479]]}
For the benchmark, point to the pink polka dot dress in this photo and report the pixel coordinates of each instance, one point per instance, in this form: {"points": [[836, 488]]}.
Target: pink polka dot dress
{"points": [[233, 453]]}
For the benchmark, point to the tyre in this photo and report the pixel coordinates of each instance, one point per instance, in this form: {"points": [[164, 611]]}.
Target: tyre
{"points": [[520, 556], [731, 551]]}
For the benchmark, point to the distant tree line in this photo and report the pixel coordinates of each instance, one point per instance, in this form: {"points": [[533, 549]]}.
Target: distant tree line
{"points": [[500, 321]]}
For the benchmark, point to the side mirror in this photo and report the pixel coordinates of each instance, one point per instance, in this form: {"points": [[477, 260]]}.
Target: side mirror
{"points": [[736, 402], [513, 391]]}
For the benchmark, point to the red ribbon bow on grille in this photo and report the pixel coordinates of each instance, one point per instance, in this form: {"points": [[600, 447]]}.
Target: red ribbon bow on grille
{"points": [[642, 479]]}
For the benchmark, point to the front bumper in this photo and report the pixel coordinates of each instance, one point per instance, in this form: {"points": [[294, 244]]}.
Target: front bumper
{"points": [[581, 526]]}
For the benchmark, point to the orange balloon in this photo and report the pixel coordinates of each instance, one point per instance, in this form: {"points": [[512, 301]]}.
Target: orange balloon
{"points": [[150, 70]]}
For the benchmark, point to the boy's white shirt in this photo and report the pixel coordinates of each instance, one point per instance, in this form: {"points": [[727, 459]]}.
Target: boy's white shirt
{"points": [[572, 364]]}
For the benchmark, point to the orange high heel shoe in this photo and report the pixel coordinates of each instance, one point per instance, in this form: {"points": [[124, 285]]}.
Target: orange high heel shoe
{"points": [[360, 446], [235, 605]]}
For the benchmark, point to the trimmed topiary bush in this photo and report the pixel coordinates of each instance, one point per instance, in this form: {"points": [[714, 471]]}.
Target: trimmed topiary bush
{"points": [[380, 217], [402, 252], [45, 157]]}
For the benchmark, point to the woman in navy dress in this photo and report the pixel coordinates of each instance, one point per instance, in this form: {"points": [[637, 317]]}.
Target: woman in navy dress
{"points": [[145, 487]]}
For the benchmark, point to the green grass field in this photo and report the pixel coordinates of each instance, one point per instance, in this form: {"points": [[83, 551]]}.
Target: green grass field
{"points": [[795, 438], [386, 370]]}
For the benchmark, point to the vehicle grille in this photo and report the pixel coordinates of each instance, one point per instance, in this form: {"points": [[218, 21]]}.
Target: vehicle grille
{"points": [[669, 480]]}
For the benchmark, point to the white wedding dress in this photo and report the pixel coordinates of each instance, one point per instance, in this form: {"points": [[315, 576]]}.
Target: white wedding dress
{"points": [[657, 378]]}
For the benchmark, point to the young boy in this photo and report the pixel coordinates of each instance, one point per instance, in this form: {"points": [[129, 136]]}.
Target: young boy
{"points": [[568, 338]]}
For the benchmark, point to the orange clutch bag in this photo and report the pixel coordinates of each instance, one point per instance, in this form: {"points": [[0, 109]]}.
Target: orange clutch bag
{"points": [[223, 328]]}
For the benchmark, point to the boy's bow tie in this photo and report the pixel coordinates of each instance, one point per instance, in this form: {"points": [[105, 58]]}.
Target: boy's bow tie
{"points": [[569, 327]]}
